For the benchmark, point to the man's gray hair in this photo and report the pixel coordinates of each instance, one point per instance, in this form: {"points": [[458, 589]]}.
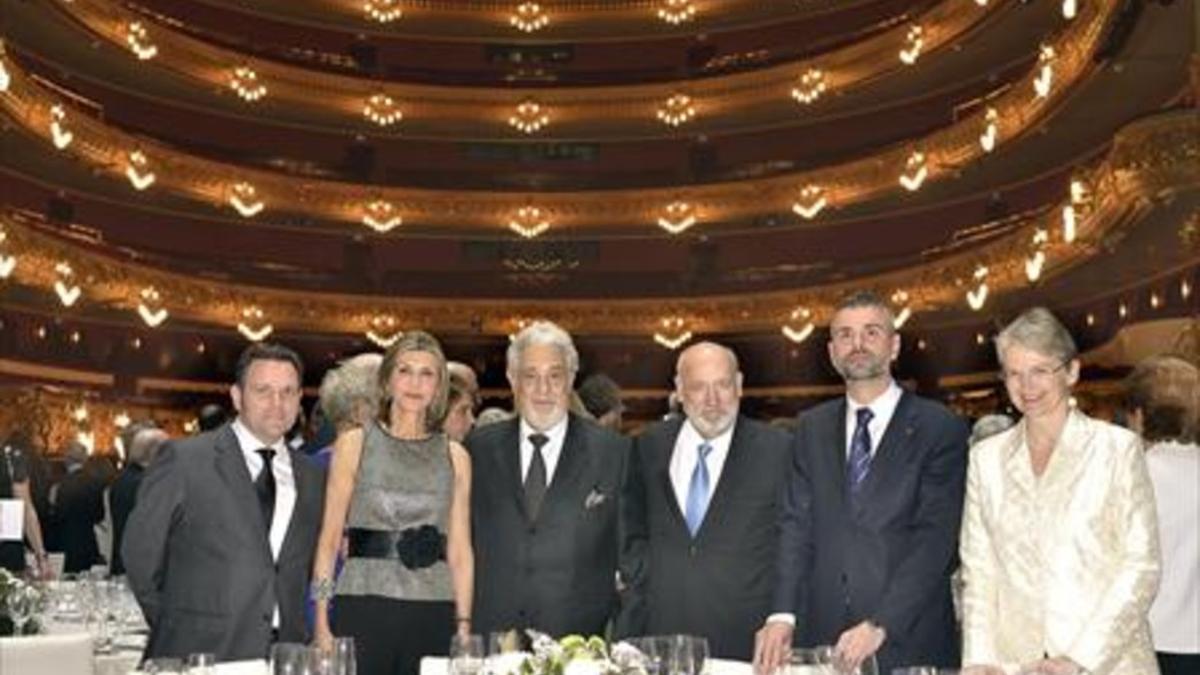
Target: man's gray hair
{"points": [[1037, 329], [350, 387], [144, 445], [542, 333], [989, 425]]}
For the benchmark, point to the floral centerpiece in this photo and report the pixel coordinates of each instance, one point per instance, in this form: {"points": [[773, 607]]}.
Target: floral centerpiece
{"points": [[572, 655], [14, 589]]}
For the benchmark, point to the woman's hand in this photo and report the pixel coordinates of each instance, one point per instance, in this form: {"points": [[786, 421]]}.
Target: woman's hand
{"points": [[322, 637]]}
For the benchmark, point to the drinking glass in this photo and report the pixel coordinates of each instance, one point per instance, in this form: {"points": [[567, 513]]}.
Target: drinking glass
{"points": [[289, 658], [202, 663], [466, 654], [163, 666], [343, 656], [689, 654], [924, 670], [656, 652], [21, 603]]}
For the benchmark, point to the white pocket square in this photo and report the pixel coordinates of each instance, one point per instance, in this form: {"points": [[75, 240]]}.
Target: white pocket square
{"points": [[594, 498]]}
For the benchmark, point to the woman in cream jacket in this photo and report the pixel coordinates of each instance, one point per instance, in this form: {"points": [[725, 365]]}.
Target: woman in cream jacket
{"points": [[1059, 543]]}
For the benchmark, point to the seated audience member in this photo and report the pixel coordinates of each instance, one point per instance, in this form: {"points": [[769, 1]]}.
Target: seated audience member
{"points": [[1059, 542], [1161, 398]]}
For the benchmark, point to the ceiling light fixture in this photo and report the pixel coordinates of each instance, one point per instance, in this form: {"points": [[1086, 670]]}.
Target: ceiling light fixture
{"points": [[1080, 199], [987, 140], [529, 117], [529, 17], [1035, 263], [676, 110], [529, 222], [677, 217], [900, 299], [979, 295], [384, 331], [802, 317], [1045, 77], [68, 292]]}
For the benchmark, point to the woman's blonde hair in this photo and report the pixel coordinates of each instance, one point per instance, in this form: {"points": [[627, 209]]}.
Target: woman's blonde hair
{"points": [[415, 341]]}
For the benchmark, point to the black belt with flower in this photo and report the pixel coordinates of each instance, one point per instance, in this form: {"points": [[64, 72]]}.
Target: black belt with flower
{"points": [[415, 547]]}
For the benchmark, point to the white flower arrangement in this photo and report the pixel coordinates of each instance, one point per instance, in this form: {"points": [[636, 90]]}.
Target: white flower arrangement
{"points": [[12, 585], [572, 655]]}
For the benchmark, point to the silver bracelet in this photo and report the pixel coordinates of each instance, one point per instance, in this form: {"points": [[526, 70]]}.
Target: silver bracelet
{"points": [[322, 589]]}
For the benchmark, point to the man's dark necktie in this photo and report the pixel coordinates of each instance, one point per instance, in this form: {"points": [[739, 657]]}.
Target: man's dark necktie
{"points": [[264, 485], [535, 478], [860, 451]]}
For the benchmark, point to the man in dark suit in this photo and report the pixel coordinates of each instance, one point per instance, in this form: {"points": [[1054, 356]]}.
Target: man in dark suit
{"points": [[871, 514], [703, 497], [545, 501], [77, 505], [141, 441], [219, 546]]}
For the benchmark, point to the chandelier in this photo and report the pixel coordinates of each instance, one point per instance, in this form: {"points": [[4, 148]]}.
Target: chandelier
{"points": [[677, 217], [915, 171], [64, 287], [384, 330], [381, 216], [676, 12], [383, 11], [59, 134], [138, 39], [674, 332], [244, 81], [150, 307], [138, 171], [7, 262], [810, 203], [529, 222], [810, 87], [900, 300], [254, 325], [802, 317], [244, 199], [914, 41]]}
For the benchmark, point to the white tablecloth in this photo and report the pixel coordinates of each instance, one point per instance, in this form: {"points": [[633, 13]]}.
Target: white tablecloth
{"points": [[436, 665]]}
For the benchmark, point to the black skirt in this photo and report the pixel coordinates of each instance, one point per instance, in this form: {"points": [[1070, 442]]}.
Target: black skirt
{"points": [[391, 636]]}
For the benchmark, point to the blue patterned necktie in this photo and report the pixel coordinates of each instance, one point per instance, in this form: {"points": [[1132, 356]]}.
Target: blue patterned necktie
{"points": [[860, 451], [698, 489]]}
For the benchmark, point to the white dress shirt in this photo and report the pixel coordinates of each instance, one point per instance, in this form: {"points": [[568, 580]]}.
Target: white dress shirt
{"points": [[1175, 614], [685, 454], [550, 451], [285, 486], [882, 409]]}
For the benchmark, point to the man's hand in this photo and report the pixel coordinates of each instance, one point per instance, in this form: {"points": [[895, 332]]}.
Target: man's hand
{"points": [[772, 646], [859, 643]]}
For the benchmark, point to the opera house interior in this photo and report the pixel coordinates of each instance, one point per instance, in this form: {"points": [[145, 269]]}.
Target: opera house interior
{"points": [[179, 178]]}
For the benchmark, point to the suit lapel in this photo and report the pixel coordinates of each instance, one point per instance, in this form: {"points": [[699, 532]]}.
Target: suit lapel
{"points": [[231, 466], [571, 460], [509, 459], [306, 491], [836, 454], [731, 473], [661, 470]]}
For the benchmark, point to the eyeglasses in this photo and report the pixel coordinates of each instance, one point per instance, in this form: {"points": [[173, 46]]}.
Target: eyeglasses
{"points": [[1037, 374]]}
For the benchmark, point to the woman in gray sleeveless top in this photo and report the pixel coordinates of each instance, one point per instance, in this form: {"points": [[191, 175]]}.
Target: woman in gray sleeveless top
{"points": [[398, 494]]}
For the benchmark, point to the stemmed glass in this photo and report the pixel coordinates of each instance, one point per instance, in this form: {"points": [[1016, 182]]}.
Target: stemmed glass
{"points": [[343, 656]]}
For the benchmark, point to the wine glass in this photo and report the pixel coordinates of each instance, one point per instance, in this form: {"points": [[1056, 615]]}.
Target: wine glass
{"points": [[289, 658], [688, 654], [466, 654], [21, 602], [343, 656], [202, 663]]}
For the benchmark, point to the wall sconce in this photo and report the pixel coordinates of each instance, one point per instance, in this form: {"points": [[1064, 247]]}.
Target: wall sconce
{"points": [[59, 134], [67, 291], [138, 39], [674, 333], [676, 12], [811, 201], [137, 170], [979, 295], [900, 299], [1080, 200], [254, 326], [383, 11], [676, 110], [381, 216], [244, 82], [915, 171], [244, 199], [384, 331], [810, 87], [987, 140], [150, 307], [802, 317], [382, 110], [529, 17], [529, 117], [1045, 77], [677, 217], [529, 222], [914, 41], [7, 262], [1035, 263]]}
